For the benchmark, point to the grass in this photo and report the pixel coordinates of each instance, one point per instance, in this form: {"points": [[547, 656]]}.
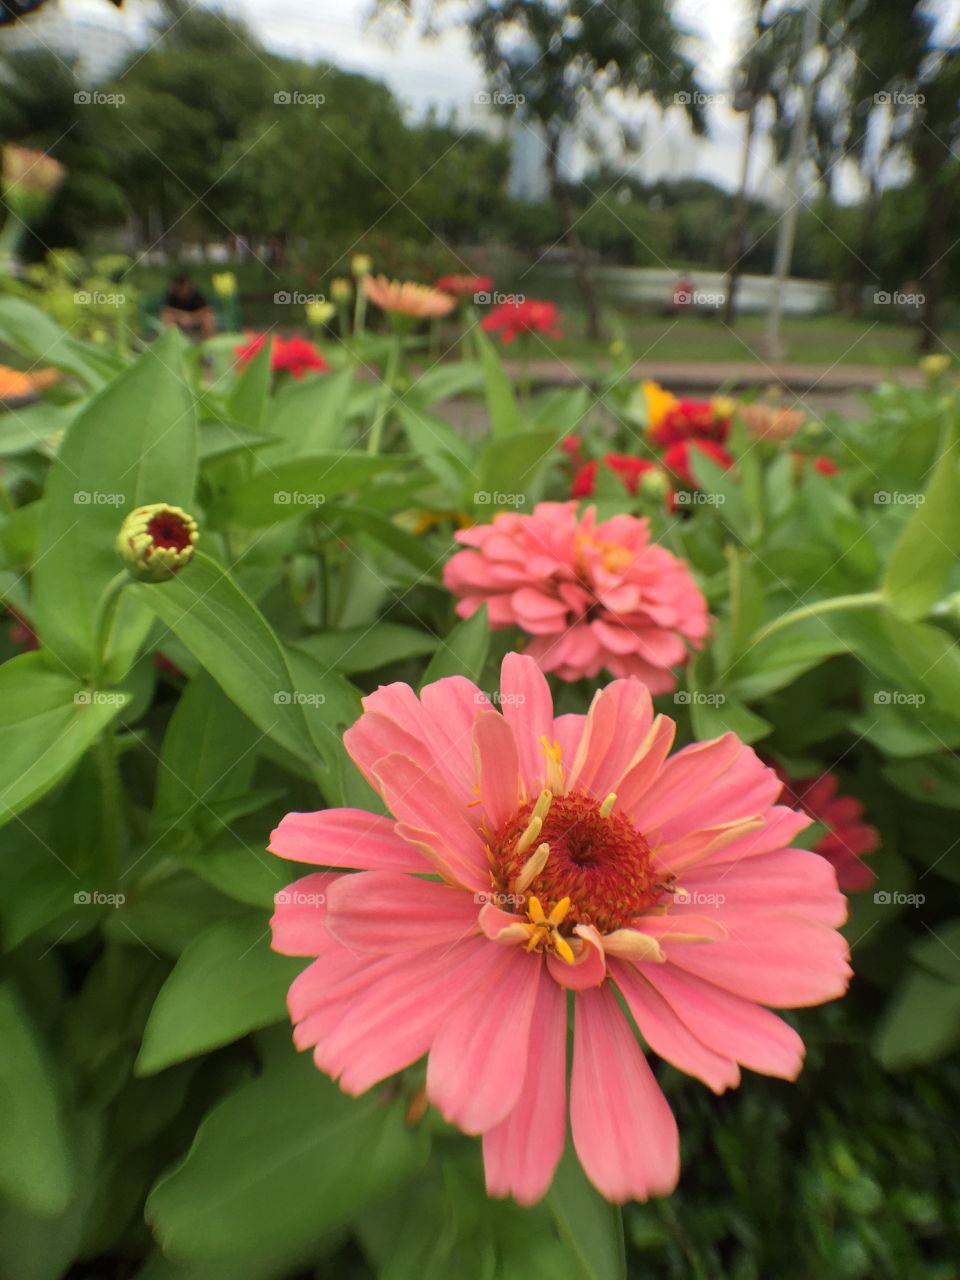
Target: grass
{"points": [[824, 340]]}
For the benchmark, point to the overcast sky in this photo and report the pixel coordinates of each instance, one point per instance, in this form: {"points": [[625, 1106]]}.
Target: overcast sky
{"points": [[441, 72]]}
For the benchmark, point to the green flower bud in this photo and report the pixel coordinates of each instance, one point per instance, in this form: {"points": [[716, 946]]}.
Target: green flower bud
{"points": [[157, 541]]}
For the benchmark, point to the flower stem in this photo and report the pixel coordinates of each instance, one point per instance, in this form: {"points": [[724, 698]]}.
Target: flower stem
{"points": [[863, 600], [103, 623], [386, 394]]}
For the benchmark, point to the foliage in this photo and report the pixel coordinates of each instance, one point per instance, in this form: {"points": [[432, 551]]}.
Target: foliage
{"points": [[156, 1120]]}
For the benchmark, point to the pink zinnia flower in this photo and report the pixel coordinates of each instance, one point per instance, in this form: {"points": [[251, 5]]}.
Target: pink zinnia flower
{"points": [[560, 854], [528, 316], [593, 596], [848, 839]]}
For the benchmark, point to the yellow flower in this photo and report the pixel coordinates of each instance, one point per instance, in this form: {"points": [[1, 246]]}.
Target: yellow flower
{"points": [[724, 406], [935, 366], [341, 289], [361, 264], [224, 284], [319, 312], [617, 347], [659, 403]]}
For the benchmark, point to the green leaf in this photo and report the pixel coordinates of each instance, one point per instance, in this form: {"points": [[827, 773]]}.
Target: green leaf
{"points": [[279, 1162], [591, 1228], [47, 721], [301, 485], [444, 451], [367, 648], [510, 472], [502, 404], [464, 651], [930, 544], [390, 535], [309, 416], [207, 754], [229, 635], [33, 333], [35, 1165], [135, 443], [713, 714], [248, 400], [226, 983], [922, 1022]]}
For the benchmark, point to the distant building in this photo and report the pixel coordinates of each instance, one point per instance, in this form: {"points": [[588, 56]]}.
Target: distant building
{"points": [[91, 34]]}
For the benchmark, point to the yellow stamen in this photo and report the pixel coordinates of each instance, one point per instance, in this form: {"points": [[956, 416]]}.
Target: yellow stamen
{"points": [[531, 869], [554, 764], [530, 834], [542, 807], [607, 807], [563, 948], [558, 912], [544, 929]]}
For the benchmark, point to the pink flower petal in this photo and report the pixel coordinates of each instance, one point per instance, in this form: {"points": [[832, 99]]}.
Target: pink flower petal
{"points": [[476, 1066], [623, 1129], [393, 1022], [618, 721], [521, 1153], [687, 774], [774, 958], [498, 769], [384, 912], [667, 1036], [729, 1025], [345, 838], [802, 881], [528, 709], [298, 920], [644, 773], [423, 804], [590, 968]]}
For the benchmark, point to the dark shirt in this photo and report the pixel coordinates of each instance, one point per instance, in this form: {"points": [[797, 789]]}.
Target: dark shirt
{"points": [[190, 300]]}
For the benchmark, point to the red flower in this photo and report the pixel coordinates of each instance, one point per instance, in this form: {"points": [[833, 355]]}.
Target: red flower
{"points": [[585, 480], [527, 316], [849, 839], [677, 458], [461, 286], [572, 446], [629, 469], [293, 355], [825, 466], [691, 420]]}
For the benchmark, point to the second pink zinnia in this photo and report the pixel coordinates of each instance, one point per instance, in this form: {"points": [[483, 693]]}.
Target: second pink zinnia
{"points": [[593, 596]]}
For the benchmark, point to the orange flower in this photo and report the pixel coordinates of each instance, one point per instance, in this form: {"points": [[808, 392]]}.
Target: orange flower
{"points": [[767, 422], [401, 297], [15, 385]]}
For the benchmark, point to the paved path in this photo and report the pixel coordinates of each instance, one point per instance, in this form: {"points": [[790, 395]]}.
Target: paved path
{"points": [[688, 375]]}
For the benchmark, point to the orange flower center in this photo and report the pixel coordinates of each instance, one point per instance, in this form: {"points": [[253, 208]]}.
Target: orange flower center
{"points": [[596, 858]]}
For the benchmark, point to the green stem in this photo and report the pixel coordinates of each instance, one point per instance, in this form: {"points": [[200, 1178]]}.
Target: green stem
{"points": [[524, 368], [386, 394], [864, 600], [359, 308], [111, 801], [106, 612]]}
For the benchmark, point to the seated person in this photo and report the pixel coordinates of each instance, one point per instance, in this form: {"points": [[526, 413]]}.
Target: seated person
{"points": [[186, 307]]}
